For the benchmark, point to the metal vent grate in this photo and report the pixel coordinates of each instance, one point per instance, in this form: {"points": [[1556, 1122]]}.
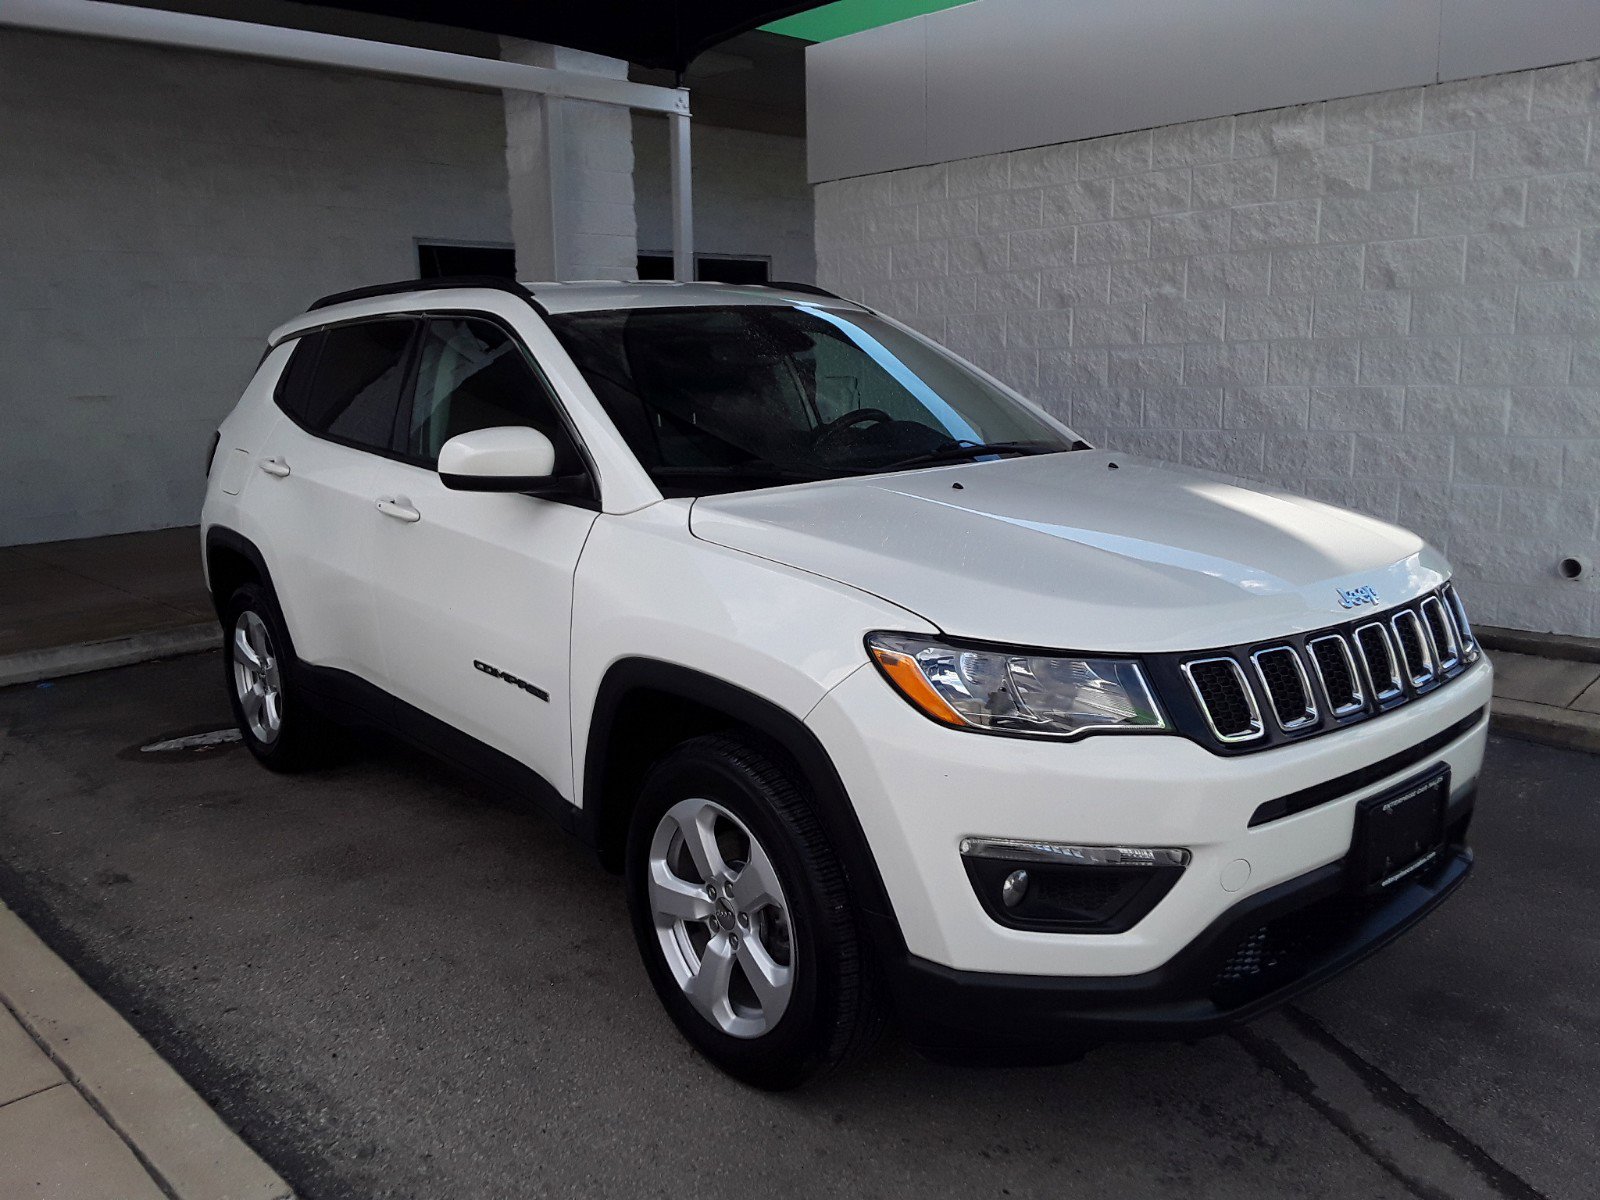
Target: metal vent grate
{"points": [[1253, 955], [1225, 698], [1336, 671], [1283, 948], [1288, 690]]}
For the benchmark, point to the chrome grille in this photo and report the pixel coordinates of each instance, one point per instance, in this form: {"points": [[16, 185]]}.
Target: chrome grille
{"points": [[1458, 614], [1446, 647], [1225, 698], [1283, 677], [1416, 658], [1336, 672], [1360, 670], [1377, 656]]}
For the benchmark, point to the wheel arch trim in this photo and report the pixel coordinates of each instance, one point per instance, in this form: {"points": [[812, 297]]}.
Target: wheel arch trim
{"points": [[220, 537], [603, 809]]}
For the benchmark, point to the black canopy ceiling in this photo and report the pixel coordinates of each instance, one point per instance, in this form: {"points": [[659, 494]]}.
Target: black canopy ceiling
{"points": [[652, 33]]}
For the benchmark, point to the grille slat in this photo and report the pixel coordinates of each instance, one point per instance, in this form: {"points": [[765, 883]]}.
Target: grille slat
{"points": [[1415, 657], [1336, 671], [1446, 649], [1458, 615], [1377, 653], [1361, 670], [1288, 690], [1225, 698]]}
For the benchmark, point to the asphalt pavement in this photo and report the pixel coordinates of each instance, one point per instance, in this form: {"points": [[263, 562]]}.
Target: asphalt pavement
{"points": [[394, 983]]}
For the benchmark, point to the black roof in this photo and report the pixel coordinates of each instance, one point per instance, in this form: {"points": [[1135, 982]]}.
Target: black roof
{"points": [[500, 284], [652, 33]]}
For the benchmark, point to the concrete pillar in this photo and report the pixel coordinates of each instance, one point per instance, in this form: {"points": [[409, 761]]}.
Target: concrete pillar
{"points": [[570, 173]]}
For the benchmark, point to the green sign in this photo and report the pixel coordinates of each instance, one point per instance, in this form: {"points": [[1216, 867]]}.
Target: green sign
{"points": [[852, 16]]}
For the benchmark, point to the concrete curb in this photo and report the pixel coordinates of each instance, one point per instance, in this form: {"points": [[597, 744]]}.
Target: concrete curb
{"points": [[1564, 728], [185, 1146], [30, 666], [1540, 645]]}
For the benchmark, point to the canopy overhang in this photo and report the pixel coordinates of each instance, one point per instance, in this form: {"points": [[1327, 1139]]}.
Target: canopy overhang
{"points": [[649, 32], [652, 33]]}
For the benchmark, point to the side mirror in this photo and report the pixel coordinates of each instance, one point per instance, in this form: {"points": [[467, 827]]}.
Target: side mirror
{"points": [[507, 458]]}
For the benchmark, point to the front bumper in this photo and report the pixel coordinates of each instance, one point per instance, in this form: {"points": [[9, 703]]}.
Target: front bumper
{"points": [[1259, 954], [918, 789]]}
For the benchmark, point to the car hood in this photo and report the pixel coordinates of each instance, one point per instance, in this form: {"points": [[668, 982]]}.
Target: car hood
{"points": [[1088, 550]]}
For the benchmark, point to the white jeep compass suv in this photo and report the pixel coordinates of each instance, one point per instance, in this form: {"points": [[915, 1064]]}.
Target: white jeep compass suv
{"points": [[883, 690]]}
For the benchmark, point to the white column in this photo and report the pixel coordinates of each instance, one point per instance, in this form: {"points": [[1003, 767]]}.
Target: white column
{"points": [[682, 199], [569, 166]]}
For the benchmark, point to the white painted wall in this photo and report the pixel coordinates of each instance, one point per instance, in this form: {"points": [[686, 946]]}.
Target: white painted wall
{"points": [[160, 212], [750, 195], [1390, 302]]}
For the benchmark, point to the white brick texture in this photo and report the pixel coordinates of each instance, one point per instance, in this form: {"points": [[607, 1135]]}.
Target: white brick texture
{"points": [[1389, 302]]}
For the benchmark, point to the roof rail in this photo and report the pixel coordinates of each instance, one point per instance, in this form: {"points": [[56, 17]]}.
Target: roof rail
{"points": [[808, 288], [497, 282]]}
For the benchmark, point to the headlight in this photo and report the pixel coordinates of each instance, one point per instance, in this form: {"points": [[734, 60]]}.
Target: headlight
{"points": [[1003, 691]]}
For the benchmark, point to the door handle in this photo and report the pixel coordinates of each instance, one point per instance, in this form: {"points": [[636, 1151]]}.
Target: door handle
{"points": [[399, 508], [275, 466]]}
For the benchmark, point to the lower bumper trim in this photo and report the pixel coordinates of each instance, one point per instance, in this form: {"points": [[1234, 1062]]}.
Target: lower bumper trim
{"points": [[1319, 931]]}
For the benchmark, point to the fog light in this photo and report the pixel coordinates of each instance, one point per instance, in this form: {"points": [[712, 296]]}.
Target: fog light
{"points": [[1057, 887], [1014, 888]]}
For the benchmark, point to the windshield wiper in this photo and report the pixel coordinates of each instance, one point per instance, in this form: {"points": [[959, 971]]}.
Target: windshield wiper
{"points": [[968, 450]]}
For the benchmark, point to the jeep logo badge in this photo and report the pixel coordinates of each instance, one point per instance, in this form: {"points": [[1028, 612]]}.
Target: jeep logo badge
{"points": [[1357, 596]]}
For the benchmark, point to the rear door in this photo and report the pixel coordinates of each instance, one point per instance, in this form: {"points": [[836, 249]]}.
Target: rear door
{"points": [[474, 589], [312, 504]]}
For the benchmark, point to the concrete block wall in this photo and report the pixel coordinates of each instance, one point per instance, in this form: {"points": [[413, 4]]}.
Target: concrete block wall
{"points": [[160, 212], [1389, 302], [584, 228]]}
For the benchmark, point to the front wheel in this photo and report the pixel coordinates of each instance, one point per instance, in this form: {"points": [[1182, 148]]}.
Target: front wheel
{"points": [[743, 916]]}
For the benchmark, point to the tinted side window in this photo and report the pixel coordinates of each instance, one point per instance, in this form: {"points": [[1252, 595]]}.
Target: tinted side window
{"points": [[294, 385], [356, 389], [471, 374]]}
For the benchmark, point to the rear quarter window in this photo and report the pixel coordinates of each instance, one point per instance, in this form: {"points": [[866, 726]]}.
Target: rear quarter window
{"points": [[344, 382], [294, 385]]}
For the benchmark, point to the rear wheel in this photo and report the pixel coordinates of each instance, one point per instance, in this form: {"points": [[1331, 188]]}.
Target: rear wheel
{"points": [[277, 726], [743, 917]]}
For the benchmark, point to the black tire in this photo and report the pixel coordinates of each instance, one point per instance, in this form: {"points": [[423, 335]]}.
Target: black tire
{"points": [[831, 1013], [303, 737]]}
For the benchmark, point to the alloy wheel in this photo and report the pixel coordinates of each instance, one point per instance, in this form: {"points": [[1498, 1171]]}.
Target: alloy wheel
{"points": [[721, 917], [257, 681]]}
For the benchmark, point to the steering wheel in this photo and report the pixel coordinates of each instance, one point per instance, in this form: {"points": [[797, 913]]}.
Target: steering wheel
{"points": [[860, 416]]}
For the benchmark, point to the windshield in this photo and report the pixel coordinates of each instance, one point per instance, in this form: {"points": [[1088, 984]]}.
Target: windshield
{"points": [[717, 399]]}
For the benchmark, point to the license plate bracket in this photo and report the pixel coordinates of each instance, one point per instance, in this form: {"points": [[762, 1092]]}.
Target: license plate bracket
{"points": [[1399, 832]]}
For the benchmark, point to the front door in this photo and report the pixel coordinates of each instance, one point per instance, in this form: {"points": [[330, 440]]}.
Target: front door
{"points": [[474, 589]]}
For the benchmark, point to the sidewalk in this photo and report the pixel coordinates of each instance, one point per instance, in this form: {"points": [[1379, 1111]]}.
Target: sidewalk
{"points": [[68, 607], [1550, 700], [88, 1111]]}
